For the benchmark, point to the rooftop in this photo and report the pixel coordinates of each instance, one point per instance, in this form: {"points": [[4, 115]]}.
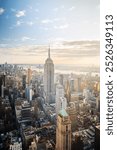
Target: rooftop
{"points": [[63, 113]]}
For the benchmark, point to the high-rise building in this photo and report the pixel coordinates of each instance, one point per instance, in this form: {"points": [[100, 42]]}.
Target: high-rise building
{"points": [[29, 77], [2, 85], [28, 92], [63, 131], [72, 85], [61, 79], [77, 85], [61, 102], [68, 92], [26, 111], [49, 79], [24, 81]]}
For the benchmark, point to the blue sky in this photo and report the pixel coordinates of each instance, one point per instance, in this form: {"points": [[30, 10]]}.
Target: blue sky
{"points": [[43, 22]]}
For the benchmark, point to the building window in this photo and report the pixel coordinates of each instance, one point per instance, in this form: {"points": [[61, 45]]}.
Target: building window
{"points": [[66, 128]]}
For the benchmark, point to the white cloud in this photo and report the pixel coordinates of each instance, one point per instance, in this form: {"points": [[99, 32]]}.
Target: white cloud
{"points": [[18, 23], [62, 6], [30, 23], [46, 21], [61, 26], [2, 10], [72, 8], [20, 13], [55, 9], [30, 7], [59, 19], [25, 38], [66, 52], [3, 45], [36, 10]]}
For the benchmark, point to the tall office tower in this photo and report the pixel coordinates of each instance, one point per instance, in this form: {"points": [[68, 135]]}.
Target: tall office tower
{"points": [[2, 85], [98, 103], [68, 92], [61, 101], [29, 76], [61, 79], [24, 81], [72, 85], [49, 79], [28, 92], [77, 85], [63, 131], [26, 111]]}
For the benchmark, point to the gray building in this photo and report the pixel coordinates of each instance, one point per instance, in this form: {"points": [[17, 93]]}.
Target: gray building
{"points": [[49, 79]]}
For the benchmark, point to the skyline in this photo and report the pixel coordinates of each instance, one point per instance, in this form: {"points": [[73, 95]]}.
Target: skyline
{"points": [[28, 27]]}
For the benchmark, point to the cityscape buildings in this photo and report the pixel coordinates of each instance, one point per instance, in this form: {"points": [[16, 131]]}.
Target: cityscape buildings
{"points": [[70, 122], [51, 105]]}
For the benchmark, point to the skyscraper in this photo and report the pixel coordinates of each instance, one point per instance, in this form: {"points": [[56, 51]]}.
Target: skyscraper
{"points": [[63, 131], [29, 76], [61, 101], [68, 92], [49, 79]]}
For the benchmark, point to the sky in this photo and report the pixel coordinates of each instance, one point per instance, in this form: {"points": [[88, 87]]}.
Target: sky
{"points": [[70, 27]]}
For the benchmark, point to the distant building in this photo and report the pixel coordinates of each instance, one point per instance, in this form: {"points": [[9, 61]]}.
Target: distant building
{"points": [[28, 92], [26, 111], [16, 146], [72, 85], [24, 81], [98, 104], [77, 85], [49, 79], [2, 84], [29, 77], [68, 92], [61, 79], [63, 131], [61, 102]]}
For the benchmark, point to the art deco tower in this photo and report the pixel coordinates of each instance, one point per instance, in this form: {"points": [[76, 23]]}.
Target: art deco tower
{"points": [[63, 131], [49, 79]]}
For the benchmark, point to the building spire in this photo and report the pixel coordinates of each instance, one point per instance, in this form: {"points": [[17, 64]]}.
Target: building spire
{"points": [[49, 52]]}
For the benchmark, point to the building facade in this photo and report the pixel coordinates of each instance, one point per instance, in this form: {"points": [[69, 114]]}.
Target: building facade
{"points": [[49, 79], [61, 101], [63, 131]]}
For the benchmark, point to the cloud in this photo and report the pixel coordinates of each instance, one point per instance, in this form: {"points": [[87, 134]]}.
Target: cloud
{"points": [[3, 45], [61, 26], [25, 38], [18, 23], [59, 19], [20, 13], [2, 10], [62, 48], [30, 23], [46, 21], [36, 10], [71, 8], [65, 52], [62, 6], [55, 9]]}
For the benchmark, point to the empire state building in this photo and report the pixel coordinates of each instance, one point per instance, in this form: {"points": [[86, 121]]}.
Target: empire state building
{"points": [[49, 79]]}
